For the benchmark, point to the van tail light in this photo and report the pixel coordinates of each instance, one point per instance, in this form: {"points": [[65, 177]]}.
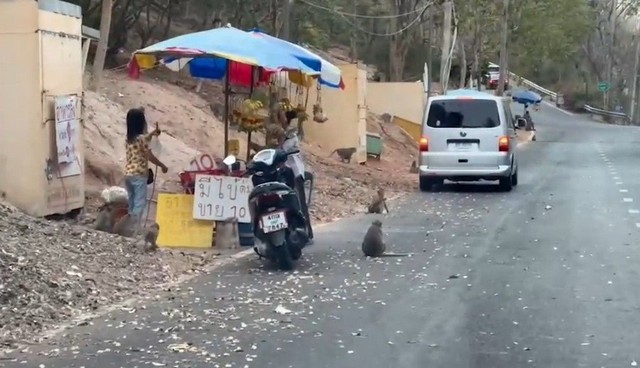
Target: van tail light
{"points": [[424, 144], [503, 144]]}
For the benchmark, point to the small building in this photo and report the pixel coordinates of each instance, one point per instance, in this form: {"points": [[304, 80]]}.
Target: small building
{"points": [[41, 133]]}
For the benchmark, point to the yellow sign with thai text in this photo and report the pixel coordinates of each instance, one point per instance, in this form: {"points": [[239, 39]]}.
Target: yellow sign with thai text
{"points": [[178, 228]]}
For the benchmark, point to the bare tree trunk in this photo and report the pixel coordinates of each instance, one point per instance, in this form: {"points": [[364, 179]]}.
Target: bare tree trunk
{"points": [[446, 45], [634, 90], [612, 35], [103, 43], [463, 66], [503, 48]]}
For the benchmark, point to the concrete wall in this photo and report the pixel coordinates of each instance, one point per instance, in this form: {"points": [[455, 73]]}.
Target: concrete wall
{"points": [[45, 61], [403, 99], [346, 110]]}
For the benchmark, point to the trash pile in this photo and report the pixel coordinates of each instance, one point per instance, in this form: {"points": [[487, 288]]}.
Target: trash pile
{"points": [[52, 271]]}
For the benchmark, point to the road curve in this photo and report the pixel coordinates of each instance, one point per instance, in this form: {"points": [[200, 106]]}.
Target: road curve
{"points": [[544, 276]]}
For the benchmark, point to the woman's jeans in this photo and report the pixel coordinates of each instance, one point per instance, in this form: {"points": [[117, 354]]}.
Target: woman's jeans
{"points": [[137, 190]]}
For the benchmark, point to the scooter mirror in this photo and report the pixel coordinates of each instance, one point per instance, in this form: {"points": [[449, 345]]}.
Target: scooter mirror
{"points": [[229, 160]]}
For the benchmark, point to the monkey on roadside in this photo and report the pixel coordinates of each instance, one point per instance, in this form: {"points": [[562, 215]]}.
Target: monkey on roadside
{"points": [[151, 237], [378, 203], [345, 154], [414, 168], [104, 220], [126, 226], [373, 243]]}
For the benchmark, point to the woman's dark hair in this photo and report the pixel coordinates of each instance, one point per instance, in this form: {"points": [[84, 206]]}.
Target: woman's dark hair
{"points": [[290, 115], [136, 124]]}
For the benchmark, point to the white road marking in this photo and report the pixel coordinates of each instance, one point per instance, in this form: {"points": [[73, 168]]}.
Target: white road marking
{"points": [[634, 211], [637, 224], [619, 183], [627, 200], [624, 190], [616, 177]]}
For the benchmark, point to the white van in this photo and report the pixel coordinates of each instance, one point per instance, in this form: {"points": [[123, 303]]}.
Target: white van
{"points": [[468, 136]]}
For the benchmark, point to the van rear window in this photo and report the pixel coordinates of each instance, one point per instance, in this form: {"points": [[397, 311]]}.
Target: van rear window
{"points": [[463, 113]]}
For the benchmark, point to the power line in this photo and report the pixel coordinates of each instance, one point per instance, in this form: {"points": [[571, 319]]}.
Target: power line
{"points": [[409, 25], [345, 14]]}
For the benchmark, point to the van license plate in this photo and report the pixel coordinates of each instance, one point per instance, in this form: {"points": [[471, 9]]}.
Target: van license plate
{"points": [[273, 222], [462, 146]]}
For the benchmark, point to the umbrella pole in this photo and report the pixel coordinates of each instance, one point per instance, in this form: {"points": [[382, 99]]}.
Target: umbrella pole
{"points": [[253, 82], [226, 109]]}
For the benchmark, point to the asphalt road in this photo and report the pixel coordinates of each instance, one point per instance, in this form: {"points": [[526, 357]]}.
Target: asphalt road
{"points": [[544, 276]]}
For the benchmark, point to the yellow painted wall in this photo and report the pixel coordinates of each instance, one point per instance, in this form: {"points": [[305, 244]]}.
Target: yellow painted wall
{"points": [[413, 129], [43, 64], [346, 126], [403, 99]]}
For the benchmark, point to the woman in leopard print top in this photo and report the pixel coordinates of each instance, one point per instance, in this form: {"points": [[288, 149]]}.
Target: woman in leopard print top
{"points": [[137, 164]]}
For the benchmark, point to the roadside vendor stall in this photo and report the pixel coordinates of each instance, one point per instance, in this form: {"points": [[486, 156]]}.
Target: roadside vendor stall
{"points": [[243, 60]]}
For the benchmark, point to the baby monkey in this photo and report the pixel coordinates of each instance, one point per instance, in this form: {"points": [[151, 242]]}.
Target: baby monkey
{"points": [[151, 237], [378, 203]]}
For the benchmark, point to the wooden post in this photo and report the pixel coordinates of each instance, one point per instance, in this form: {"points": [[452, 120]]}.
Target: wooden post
{"points": [[103, 43], [86, 44]]}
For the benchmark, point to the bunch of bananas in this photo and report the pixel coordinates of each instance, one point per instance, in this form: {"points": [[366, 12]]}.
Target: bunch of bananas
{"points": [[252, 118], [249, 107], [286, 105]]}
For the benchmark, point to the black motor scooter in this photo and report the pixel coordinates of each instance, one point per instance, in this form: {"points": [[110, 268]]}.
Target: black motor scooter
{"points": [[279, 224]]}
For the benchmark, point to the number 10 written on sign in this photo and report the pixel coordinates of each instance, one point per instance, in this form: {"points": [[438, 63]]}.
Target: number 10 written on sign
{"points": [[218, 198]]}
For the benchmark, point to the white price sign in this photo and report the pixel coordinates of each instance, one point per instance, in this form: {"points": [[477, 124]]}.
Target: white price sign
{"points": [[219, 198], [67, 125]]}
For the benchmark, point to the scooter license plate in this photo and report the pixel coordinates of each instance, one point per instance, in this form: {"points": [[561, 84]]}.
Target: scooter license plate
{"points": [[274, 221]]}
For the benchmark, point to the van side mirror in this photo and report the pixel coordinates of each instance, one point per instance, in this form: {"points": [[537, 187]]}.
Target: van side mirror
{"points": [[521, 123]]}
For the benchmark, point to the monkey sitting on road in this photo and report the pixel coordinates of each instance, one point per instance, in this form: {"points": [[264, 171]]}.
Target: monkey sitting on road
{"points": [[373, 244], [151, 237], [345, 154], [378, 203]]}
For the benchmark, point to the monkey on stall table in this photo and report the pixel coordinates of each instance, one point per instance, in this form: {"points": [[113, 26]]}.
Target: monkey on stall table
{"points": [[345, 154], [378, 203], [373, 243]]}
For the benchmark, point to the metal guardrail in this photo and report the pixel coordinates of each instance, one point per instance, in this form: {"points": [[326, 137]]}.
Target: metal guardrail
{"points": [[601, 112], [554, 97]]}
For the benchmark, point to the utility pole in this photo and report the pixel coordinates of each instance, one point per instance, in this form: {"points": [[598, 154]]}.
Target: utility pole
{"points": [[612, 37], [634, 91], [503, 48], [447, 8], [286, 27]]}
